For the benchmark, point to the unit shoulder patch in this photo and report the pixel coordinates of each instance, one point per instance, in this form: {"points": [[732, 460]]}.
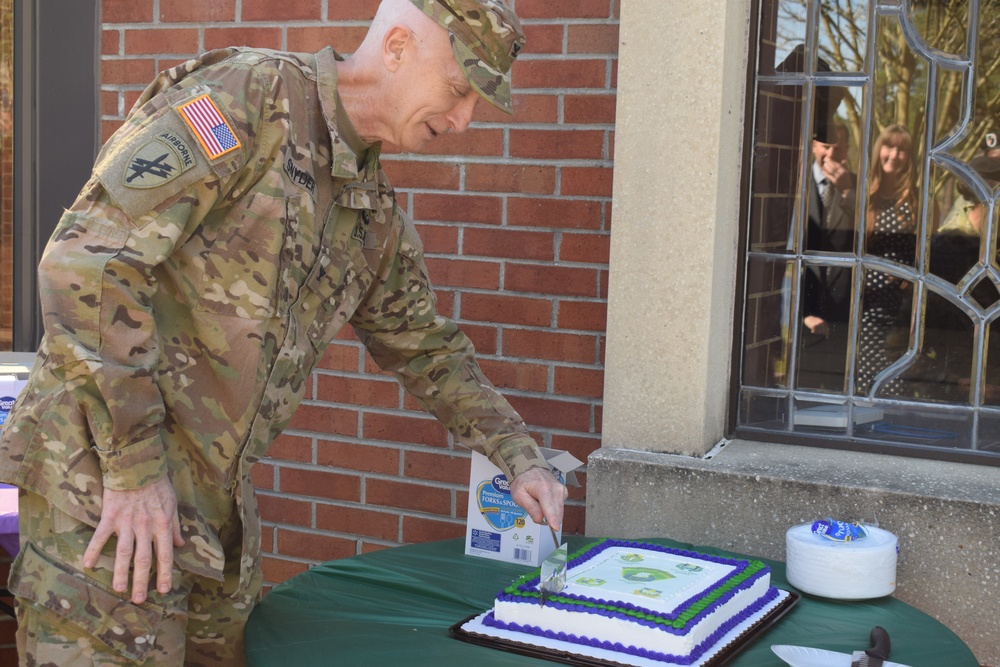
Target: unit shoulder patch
{"points": [[158, 161], [146, 166]]}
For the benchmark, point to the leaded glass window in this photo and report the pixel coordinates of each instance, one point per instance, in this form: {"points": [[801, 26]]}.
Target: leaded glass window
{"points": [[871, 298]]}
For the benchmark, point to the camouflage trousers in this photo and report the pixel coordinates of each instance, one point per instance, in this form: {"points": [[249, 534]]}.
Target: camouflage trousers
{"points": [[69, 616]]}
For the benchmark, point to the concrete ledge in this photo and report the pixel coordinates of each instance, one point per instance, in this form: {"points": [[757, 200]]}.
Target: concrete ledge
{"points": [[744, 498]]}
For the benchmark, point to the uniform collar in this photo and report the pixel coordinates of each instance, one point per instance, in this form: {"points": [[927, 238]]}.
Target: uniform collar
{"points": [[343, 159]]}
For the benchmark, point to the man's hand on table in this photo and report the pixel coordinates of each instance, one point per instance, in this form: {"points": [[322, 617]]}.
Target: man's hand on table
{"points": [[541, 494], [145, 520]]}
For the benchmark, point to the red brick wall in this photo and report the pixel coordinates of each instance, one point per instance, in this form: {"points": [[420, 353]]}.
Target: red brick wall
{"points": [[515, 215]]}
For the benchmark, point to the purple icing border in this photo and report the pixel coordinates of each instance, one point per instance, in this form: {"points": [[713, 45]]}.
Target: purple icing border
{"points": [[628, 610], [772, 593]]}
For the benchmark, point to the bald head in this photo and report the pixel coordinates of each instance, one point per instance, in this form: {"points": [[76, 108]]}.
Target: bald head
{"points": [[404, 84], [485, 37], [439, 55], [391, 12], [398, 14]]}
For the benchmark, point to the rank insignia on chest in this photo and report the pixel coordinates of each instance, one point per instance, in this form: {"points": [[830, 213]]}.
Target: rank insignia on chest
{"points": [[158, 161], [362, 232]]}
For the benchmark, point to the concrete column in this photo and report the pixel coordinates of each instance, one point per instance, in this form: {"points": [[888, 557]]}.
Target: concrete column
{"points": [[678, 135]]}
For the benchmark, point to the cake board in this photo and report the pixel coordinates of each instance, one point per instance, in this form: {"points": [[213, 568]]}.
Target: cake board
{"points": [[473, 631]]}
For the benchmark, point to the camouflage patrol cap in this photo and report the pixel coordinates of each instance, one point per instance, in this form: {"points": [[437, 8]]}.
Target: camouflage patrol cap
{"points": [[486, 37]]}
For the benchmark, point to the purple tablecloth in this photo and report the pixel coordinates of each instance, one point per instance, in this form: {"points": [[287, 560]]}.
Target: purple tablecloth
{"points": [[8, 519]]}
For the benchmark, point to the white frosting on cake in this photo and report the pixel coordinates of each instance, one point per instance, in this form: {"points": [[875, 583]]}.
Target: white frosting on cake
{"points": [[660, 584]]}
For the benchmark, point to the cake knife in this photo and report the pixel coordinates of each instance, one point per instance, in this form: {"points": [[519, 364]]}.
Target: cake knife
{"points": [[803, 656], [553, 577]]}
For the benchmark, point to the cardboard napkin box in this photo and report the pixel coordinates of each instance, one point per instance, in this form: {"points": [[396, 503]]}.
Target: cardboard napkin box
{"points": [[497, 527], [14, 370]]}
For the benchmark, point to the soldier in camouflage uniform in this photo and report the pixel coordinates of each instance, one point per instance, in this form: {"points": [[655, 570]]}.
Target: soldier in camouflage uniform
{"points": [[231, 227]]}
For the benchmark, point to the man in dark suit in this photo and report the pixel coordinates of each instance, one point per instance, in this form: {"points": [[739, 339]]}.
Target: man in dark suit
{"points": [[831, 231]]}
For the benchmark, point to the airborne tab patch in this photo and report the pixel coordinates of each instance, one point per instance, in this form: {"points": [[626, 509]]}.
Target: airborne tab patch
{"points": [[209, 126], [158, 161]]}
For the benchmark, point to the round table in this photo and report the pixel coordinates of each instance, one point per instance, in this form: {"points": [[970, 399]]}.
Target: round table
{"points": [[397, 605]]}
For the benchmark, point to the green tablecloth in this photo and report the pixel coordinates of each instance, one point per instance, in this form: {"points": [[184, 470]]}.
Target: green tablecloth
{"points": [[396, 605]]}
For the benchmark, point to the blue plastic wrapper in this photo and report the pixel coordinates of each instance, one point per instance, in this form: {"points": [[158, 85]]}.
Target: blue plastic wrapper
{"points": [[839, 531]]}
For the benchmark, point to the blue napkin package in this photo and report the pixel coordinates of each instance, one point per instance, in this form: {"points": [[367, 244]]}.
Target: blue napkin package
{"points": [[839, 531]]}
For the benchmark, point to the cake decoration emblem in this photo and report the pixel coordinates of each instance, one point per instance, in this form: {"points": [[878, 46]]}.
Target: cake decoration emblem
{"points": [[590, 581], [648, 592], [645, 574]]}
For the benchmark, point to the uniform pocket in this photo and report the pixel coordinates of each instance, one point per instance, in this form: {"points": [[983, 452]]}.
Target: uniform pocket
{"points": [[338, 279], [73, 280], [80, 601], [247, 258]]}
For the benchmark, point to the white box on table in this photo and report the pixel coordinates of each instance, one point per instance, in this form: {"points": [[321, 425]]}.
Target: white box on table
{"points": [[14, 370], [497, 527]]}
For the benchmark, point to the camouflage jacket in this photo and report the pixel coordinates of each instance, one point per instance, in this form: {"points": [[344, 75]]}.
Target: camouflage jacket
{"points": [[226, 235]]}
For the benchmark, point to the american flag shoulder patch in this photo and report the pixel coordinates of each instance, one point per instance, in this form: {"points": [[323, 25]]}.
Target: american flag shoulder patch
{"points": [[209, 126]]}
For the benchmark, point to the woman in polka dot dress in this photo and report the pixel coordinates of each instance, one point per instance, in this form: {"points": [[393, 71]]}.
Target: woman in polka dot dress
{"points": [[890, 233]]}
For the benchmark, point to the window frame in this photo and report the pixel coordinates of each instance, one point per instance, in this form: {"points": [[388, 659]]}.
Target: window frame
{"points": [[55, 142]]}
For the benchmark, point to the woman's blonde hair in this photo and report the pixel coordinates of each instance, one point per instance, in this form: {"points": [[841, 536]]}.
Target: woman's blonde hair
{"points": [[901, 190]]}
